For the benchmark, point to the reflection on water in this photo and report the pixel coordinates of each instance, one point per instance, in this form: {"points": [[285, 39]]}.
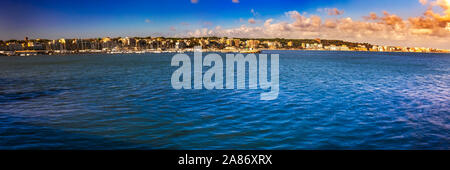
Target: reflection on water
{"points": [[327, 100]]}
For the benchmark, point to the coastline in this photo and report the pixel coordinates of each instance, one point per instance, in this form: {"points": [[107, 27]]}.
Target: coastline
{"points": [[243, 51]]}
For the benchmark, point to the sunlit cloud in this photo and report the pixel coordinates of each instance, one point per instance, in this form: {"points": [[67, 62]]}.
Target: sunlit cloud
{"points": [[251, 21], [194, 1], [235, 1], [431, 28], [423, 2]]}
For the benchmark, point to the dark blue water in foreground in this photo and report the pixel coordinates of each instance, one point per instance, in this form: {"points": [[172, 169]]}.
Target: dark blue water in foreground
{"points": [[327, 100]]}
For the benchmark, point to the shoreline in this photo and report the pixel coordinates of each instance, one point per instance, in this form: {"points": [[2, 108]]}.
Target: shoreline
{"points": [[49, 53]]}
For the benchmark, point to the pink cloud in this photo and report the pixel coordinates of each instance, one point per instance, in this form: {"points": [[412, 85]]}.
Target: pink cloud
{"points": [[251, 21], [432, 29], [331, 11], [423, 2], [335, 11]]}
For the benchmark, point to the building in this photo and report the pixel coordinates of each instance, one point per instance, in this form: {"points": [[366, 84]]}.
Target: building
{"points": [[180, 45], [290, 44], [253, 44]]}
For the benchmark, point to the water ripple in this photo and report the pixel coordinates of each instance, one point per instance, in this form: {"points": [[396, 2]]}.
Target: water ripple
{"points": [[327, 100]]}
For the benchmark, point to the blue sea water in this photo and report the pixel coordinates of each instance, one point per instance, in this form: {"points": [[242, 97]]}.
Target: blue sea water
{"points": [[327, 100]]}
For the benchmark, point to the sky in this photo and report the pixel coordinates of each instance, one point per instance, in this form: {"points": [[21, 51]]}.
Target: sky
{"points": [[418, 23]]}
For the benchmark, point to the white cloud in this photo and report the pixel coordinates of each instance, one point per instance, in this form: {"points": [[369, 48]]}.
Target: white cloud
{"points": [[254, 13]]}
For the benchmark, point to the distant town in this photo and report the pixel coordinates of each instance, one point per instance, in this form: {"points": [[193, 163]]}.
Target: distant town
{"points": [[119, 45]]}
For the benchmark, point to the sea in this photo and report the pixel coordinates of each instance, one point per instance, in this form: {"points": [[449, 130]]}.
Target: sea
{"points": [[327, 100]]}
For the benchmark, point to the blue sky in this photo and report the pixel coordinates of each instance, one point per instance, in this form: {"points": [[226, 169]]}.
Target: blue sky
{"points": [[83, 18]]}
